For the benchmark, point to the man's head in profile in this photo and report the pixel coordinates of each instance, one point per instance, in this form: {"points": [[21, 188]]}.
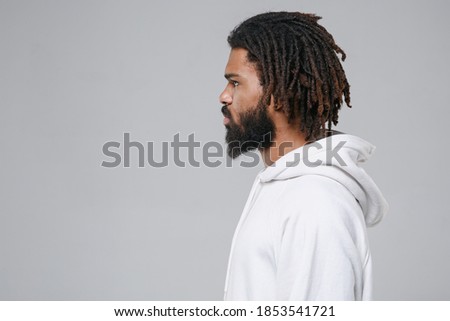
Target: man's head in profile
{"points": [[284, 78]]}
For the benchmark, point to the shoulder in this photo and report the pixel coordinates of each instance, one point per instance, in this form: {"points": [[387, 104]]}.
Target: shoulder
{"points": [[310, 188], [315, 198]]}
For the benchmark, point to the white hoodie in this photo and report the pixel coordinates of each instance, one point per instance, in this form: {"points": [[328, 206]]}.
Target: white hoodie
{"points": [[302, 234]]}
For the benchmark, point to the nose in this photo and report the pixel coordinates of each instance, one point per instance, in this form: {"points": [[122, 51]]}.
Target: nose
{"points": [[225, 97]]}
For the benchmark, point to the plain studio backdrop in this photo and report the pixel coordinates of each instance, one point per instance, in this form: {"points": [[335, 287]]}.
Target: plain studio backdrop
{"points": [[77, 74]]}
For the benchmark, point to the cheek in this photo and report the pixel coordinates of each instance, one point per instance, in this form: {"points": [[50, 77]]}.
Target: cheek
{"points": [[244, 100], [234, 114], [253, 96]]}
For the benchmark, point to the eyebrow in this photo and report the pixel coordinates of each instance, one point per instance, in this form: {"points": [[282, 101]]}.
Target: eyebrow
{"points": [[231, 75]]}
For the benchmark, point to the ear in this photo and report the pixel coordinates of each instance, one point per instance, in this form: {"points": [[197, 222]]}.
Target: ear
{"points": [[278, 107], [276, 113], [272, 106]]}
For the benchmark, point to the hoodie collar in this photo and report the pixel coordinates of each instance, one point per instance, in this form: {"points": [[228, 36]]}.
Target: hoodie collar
{"points": [[359, 149]]}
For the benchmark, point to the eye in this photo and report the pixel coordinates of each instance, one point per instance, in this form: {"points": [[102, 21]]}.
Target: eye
{"points": [[234, 83]]}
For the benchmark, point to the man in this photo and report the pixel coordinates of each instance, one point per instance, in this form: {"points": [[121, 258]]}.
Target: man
{"points": [[302, 234]]}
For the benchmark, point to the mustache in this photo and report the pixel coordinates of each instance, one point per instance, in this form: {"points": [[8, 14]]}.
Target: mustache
{"points": [[225, 111]]}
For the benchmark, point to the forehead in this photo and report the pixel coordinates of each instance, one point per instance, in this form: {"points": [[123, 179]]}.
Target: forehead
{"points": [[238, 63]]}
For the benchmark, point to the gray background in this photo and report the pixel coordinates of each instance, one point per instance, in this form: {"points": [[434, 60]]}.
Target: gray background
{"points": [[76, 74]]}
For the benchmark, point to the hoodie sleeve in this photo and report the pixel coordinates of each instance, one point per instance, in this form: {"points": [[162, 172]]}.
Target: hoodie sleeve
{"points": [[321, 248]]}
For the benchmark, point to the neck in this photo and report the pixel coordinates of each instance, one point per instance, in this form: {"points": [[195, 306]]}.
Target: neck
{"points": [[284, 142]]}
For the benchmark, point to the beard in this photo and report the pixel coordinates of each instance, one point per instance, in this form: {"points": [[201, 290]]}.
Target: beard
{"points": [[254, 132]]}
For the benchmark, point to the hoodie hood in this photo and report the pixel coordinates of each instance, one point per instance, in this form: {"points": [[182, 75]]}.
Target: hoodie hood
{"points": [[338, 157]]}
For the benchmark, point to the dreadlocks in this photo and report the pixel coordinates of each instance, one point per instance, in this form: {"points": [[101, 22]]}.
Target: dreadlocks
{"points": [[297, 63]]}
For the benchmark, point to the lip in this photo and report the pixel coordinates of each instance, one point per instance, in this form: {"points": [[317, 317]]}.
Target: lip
{"points": [[226, 120]]}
